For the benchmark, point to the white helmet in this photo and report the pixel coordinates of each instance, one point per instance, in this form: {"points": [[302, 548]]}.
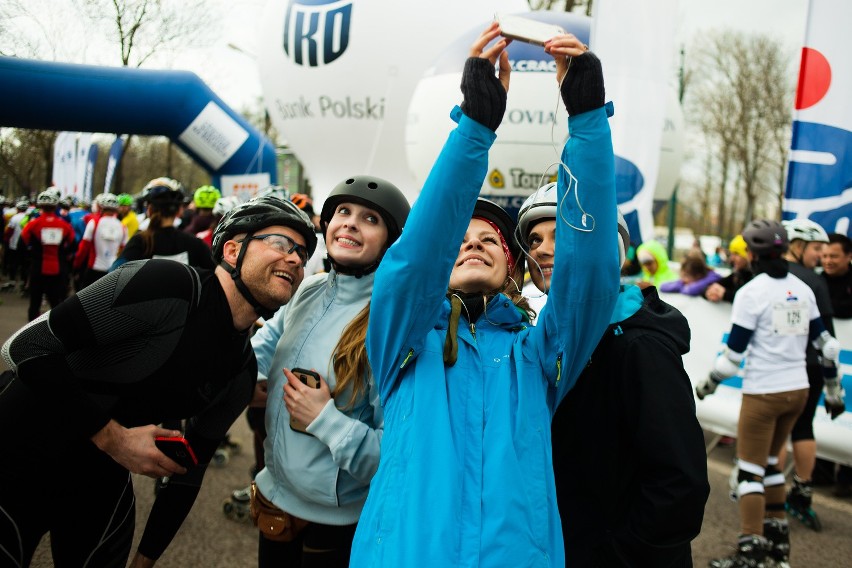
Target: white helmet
{"points": [[49, 196], [225, 204], [806, 230], [107, 201], [542, 205]]}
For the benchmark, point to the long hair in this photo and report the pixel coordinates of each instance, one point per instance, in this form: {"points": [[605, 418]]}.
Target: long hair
{"points": [[349, 359], [155, 223]]}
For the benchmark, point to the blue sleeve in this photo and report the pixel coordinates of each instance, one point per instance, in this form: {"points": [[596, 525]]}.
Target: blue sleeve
{"points": [[586, 278], [411, 282], [738, 338], [265, 341], [816, 328]]}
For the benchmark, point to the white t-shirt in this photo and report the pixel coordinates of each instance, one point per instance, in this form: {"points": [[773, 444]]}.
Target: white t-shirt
{"points": [[535, 297], [15, 223], [109, 236], [779, 312]]}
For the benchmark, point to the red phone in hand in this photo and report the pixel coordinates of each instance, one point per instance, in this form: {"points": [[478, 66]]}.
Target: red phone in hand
{"points": [[177, 449]]}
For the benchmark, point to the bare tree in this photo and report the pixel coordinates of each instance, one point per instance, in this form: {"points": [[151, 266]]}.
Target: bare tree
{"points": [[742, 95], [26, 158], [141, 28]]}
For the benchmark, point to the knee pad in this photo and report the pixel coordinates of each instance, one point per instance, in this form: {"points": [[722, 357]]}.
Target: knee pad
{"points": [[773, 477], [749, 479]]}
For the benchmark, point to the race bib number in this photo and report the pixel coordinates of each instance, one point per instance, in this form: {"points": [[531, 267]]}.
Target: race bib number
{"points": [[51, 236], [791, 318]]}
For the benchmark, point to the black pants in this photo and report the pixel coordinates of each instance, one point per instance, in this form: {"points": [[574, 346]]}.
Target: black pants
{"points": [[803, 429], [69, 489], [54, 287], [317, 546]]}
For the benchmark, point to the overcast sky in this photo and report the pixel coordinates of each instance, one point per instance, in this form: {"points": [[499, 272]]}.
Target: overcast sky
{"points": [[234, 75]]}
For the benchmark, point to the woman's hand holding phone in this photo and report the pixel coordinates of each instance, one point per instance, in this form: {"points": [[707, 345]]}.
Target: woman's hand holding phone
{"points": [[305, 395]]}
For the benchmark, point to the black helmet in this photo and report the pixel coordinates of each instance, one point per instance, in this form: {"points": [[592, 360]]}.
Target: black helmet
{"points": [[766, 238], [373, 192], [504, 222], [259, 213]]}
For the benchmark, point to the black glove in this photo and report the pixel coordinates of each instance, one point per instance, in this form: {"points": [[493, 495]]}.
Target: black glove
{"points": [[484, 95], [583, 88]]}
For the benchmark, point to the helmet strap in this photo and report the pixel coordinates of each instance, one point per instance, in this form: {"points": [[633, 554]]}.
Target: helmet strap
{"points": [[234, 271]]}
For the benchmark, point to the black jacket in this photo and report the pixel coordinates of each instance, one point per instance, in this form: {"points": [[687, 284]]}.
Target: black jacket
{"points": [[826, 311], [628, 452], [733, 282]]}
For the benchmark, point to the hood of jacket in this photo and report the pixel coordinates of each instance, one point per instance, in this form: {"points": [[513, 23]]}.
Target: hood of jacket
{"points": [[664, 272], [654, 314]]}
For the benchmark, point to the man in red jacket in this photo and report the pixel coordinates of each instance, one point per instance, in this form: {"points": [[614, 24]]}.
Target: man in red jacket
{"points": [[49, 238]]}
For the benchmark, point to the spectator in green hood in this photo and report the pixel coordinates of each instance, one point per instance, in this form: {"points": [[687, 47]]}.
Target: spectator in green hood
{"points": [[655, 263]]}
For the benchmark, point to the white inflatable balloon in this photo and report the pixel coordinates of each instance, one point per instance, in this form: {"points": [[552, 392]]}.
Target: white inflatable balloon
{"points": [[338, 76], [534, 128]]}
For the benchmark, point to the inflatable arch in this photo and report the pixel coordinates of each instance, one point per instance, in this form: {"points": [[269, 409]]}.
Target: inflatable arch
{"points": [[177, 104]]}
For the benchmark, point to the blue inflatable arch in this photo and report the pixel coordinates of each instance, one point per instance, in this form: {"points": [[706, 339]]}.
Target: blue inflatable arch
{"points": [[177, 104]]}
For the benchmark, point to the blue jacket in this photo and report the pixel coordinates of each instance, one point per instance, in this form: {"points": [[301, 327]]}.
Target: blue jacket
{"points": [[324, 477], [465, 476]]}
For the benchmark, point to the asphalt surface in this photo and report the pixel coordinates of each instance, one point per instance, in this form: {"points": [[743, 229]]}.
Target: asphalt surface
{"points": [[209, 539]]}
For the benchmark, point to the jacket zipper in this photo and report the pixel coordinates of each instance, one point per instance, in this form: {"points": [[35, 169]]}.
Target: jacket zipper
{"points": [[407, 357], [558, 369]]}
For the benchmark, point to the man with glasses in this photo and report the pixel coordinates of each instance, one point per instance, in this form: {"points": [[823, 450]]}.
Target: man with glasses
{"points": [[155, 340]]}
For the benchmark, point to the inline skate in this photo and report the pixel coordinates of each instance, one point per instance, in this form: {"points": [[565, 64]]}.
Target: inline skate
{"points": [[236, 507], [798, 504]]}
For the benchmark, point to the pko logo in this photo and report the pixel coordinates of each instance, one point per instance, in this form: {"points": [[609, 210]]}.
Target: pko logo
{"points": [[316, 32]]}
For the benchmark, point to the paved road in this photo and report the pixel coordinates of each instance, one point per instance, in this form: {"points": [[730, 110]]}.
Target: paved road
{"points": [[208, 539]]}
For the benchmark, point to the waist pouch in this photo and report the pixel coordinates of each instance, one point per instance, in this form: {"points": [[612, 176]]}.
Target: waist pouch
{"points": [[274, 524]]}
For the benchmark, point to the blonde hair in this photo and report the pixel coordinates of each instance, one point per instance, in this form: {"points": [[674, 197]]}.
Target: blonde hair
{"points": [[349, 359]]}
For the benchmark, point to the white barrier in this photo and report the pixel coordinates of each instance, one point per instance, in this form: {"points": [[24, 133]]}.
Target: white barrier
{"points": [[719, 412]]}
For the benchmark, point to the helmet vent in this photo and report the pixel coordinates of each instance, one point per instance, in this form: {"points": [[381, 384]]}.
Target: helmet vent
{"points": [[373, 185]]}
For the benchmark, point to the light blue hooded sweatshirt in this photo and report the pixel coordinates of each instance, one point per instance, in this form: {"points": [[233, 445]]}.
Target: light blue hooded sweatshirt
{"points": [[465, 476]]}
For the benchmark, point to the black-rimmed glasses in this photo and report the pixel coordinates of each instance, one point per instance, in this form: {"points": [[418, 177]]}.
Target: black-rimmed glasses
{"points": [[281, 244]]}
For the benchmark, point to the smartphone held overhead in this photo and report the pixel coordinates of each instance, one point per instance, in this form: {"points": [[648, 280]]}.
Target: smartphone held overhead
{"points": [[526, 29]]}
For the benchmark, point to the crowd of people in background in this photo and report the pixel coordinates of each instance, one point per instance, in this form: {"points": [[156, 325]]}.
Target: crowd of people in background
{"points": [[398, 372]]}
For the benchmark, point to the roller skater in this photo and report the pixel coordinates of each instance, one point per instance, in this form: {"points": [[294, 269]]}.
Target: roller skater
{"points": [[807, 239], [775, 313]]}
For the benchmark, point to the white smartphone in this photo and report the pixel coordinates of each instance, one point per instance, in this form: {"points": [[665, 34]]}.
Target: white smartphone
{"points": [[527, 30]]}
